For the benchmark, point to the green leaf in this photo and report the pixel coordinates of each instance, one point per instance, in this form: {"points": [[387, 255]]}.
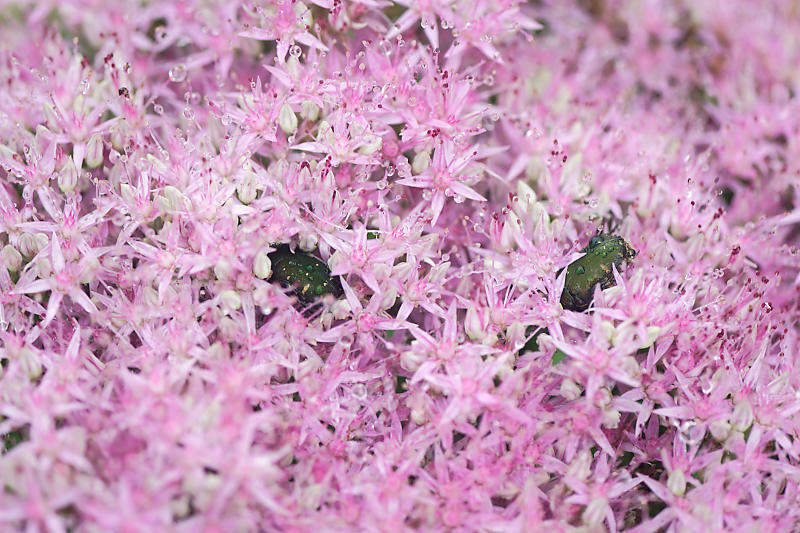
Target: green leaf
{"points": [[558, 356]]}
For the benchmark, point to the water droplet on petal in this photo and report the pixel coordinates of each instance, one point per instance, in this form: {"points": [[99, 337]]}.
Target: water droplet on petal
{"points": [[359, 391], [177, 73]]}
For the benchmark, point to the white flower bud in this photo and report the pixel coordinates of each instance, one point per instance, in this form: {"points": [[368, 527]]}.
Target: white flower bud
{"points": [[12, 259], [720, 429], [652, 334], [217, 352], [304, 15], [293, 67], [31, 362], [439, 272], [742, 415], [611, 418], [603, 397], [231, 300], [43, 267], [372, 144], [180, 507], [389, 297], [418, 416], [163, 203], [421, 163], [68, 177], [325, 133], [246, 188], [341, 309], [158, 164], [570, 390], [94, 151], [476, 322], [262, 265], [223, 269], [307, 242], [117, 139], [402, 269], [581, 464], [89, 274], [29, 244], [78, 104], [676, 483], [411, 360], [7, 152], [526, 199], [126, 191], [511, 226], [150, 296], [287, 120], [228, 328], [309, 110], [176, 198], [535, 170], [50, 115]]}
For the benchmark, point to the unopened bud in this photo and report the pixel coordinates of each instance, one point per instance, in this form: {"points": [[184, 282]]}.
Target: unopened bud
{"points": [[126, 191], [309, 110], [68, 177], [94, 151], [262, 265], [231, 300], [372, 145], [12, 259], [307, 242], [30, 244], [570, 390], [676, 483], [304, 15], [246, 188], [421, 163], [287, 120], [223, 269], [475, 323], [742, 415]]}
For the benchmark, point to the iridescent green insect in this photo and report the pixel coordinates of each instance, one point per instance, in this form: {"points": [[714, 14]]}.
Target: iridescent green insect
{"points": [[583, 274], [307, 275]]}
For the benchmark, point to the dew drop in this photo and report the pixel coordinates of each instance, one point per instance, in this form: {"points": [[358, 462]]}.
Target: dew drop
{"points": [[295, 51], [690, 433], [177, 73], [359, 391], [158, 109]]}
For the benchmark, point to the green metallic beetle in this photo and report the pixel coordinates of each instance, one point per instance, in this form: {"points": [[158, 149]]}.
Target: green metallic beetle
{"points": [[603, 251], [307, 275]]}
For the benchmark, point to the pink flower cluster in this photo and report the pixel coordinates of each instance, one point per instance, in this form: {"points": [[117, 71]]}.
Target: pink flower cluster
{"points": [[446, 159]]}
